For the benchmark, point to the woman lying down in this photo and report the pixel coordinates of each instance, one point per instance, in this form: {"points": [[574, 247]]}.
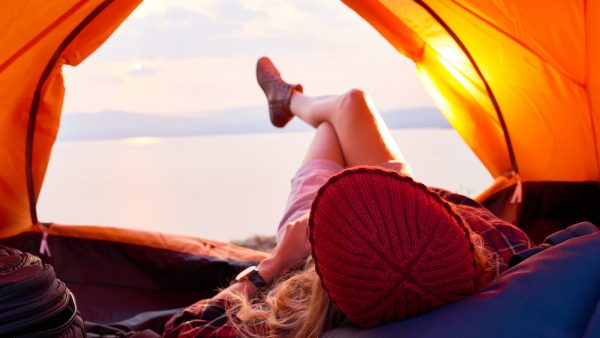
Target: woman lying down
{"points": [[361, 242]]}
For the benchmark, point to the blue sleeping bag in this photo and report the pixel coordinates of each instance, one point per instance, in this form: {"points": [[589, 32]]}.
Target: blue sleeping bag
{"points": [[555, 292]]}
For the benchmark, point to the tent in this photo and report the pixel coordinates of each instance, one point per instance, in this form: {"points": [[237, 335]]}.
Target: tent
{"points": [[520, 82], [115, 273], [522, 89]]}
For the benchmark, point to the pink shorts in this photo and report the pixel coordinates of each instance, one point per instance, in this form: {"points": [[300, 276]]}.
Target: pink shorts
{"points": [[307, 181]]}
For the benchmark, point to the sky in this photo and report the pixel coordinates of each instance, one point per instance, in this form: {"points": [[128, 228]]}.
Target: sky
{"points": [[178, 57]]}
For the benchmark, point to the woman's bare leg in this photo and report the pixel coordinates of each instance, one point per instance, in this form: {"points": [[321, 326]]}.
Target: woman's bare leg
{"points": [[363, 136], [325, 146]]}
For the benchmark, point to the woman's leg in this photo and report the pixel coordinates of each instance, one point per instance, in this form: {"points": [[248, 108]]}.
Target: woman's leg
{"points": [[325, 146], [323, 159], [363, 136]]}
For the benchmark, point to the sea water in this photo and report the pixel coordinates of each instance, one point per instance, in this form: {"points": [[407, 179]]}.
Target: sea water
{"points": [[222, 187]]}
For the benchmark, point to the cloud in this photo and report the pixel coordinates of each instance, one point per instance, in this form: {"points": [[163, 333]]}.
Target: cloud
{"points": [[272, 18], [211, 83], [180, 56], [190, 29], [206, 8], [140, 70]]}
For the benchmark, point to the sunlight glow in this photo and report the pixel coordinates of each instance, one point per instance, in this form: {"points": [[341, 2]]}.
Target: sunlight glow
{"points": [[437, 95], [142, 140], [458, 75]]}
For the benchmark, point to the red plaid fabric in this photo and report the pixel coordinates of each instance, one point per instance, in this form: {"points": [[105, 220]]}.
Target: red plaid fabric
{"points": [[501, 238], [207, 318]]}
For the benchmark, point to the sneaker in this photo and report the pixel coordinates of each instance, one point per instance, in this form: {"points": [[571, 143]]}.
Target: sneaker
{"points": [[278, 92]]}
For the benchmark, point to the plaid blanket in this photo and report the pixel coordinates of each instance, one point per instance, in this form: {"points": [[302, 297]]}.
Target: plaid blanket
{"points": [[207, 317]]}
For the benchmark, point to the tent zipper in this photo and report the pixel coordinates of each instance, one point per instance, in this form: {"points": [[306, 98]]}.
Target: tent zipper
{"points": [[517, 196], [44, 248]]}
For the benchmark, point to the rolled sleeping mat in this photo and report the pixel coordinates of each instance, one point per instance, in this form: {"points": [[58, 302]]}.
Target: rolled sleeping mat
{"points": [[33, 302]]}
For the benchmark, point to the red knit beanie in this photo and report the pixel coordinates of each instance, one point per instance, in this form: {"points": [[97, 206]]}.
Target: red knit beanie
{"points": [[387, 247]]}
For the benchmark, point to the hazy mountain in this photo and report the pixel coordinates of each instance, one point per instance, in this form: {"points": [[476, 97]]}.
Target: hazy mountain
{"points": [[115, 124], [422, 117]]}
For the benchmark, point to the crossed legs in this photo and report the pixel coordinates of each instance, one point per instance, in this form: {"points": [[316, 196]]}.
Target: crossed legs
{"points": [[349, 130]]}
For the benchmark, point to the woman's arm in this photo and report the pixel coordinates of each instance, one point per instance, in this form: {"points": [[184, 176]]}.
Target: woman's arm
{"points": [[293, 248]]}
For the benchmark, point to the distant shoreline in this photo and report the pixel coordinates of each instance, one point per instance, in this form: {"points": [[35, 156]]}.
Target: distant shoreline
{"points": [[115, 125]]}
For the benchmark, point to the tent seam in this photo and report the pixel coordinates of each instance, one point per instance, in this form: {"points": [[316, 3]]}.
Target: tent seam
{"points": [[510, 149], [35, 105]]}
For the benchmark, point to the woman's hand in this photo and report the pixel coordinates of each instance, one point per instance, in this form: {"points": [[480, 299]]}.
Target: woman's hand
{"points": [[293, 248]]}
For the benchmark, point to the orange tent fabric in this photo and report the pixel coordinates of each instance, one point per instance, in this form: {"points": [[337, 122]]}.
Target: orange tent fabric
{"points": [[115, 273], [519, 80], [37, 38]]}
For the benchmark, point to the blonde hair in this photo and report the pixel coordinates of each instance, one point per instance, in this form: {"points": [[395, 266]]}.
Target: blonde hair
{"points": [[298, 307]]}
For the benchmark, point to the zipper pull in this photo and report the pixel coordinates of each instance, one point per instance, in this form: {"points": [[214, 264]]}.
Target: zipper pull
{"points": [[517, 196], [44, 248]]}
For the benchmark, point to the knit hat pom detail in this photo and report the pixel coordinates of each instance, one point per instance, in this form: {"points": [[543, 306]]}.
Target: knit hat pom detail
{"points": [[387, 247]]}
